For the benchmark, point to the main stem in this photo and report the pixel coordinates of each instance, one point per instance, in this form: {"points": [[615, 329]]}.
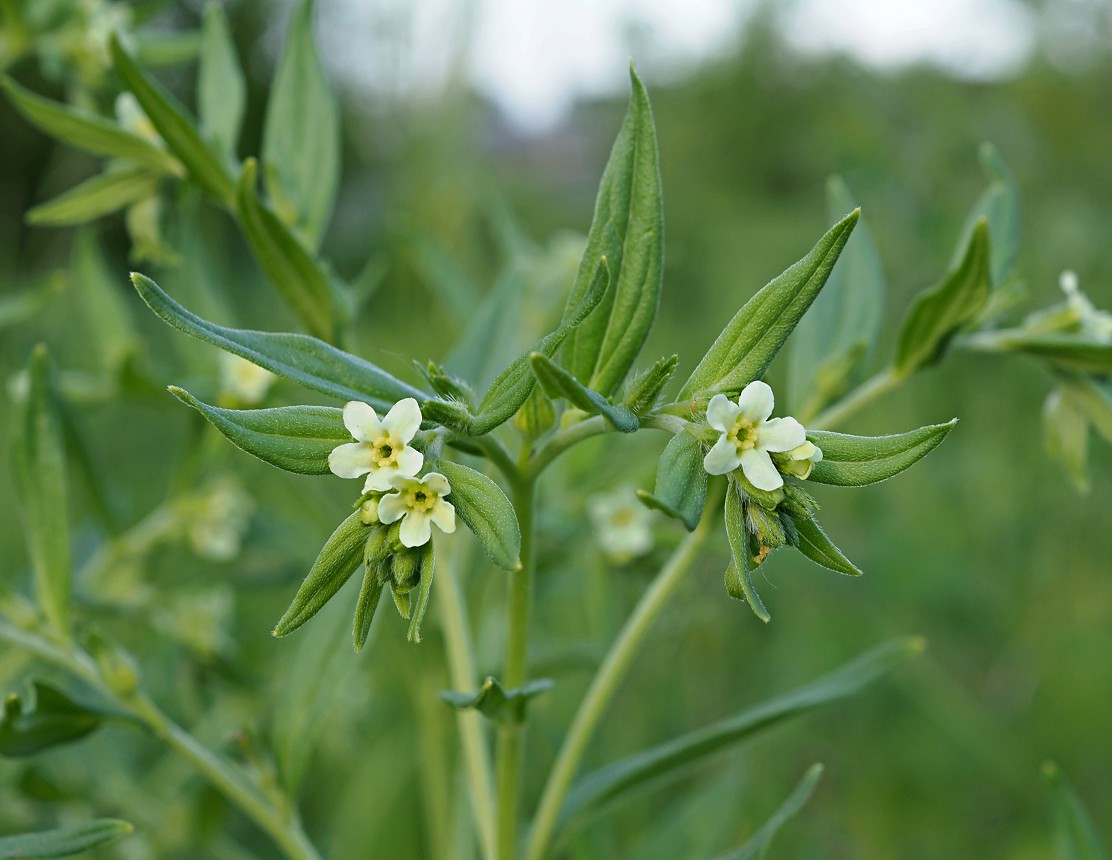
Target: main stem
{"points": [[519, 609]]}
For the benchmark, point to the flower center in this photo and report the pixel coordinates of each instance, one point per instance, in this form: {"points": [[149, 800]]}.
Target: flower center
{"points": [[622, 517], [419, 500], [743, 435], [384, 451]]}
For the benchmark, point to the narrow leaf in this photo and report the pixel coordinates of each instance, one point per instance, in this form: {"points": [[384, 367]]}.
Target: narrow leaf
{"points": [[854, 461], [102, 297], [740, 584], [221, 91], [369, 595], [681, 481], [95, 197], [427, 567], [1075, 835], [645, 389], [63, 841], [999, 207], [484, 508], [52, 719], [757, 847], [1067, 350], [497, 703], [557, 382], [813, 543]]}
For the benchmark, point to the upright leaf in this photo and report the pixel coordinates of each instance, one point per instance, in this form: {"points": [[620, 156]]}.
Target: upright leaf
{"points": [[999, 207], [221, 91], [627, 229], [63, 841], [757, 847], [1075, 835], [102, 296], [739, 582], [854, 461]]}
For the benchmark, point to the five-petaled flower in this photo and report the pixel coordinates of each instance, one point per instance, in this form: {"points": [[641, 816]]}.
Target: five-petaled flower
{"points": [[418, 503], [622, 525], [381, 448], [749, 435], [802, 459]]}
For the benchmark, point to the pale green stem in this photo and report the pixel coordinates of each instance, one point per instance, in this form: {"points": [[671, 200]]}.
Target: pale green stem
{"points": [[865, 393], [285, 831], [461, 670], [607, 680], [585, 429]]}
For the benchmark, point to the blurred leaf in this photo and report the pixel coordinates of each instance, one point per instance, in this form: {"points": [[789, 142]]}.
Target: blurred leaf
{"points": [[496, 703], [757, 847], [628, 230], [1075, 836], [1066, 428], [488, 342], [101, 295], [295, 438], [681, 481], [101, 195], [854, 461], [614, 780], [40, 476], [739, 582], [1070, 351], [813, 543], [940, 312], [175, 126], [445, 276], [645, 389], [18, 307], [999, 206], [838, 332], [485, 510], [557, 383], [165, 48], [746, 347], [305, 360], [88, 131], [63, 841], [1095, 400], [54, 719], [221, 91], [301, 136], [298, 277]]}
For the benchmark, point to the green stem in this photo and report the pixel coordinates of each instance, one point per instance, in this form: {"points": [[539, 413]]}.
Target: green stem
{"points": [[585, 429], [865, 393], [606, 681], [284, 830]]}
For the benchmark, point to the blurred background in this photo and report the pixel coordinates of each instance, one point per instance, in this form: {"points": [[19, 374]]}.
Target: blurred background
{"points": [[474, 135]]}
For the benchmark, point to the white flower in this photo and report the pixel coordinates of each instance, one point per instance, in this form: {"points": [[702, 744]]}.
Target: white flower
{"points": [[380, 450], [218, 519], [802, 459], [622, 525], [244, 380], [748, 435], [1095, 323], [418, 503]]}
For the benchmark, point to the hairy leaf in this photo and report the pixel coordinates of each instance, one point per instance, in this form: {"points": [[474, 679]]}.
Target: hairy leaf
{"points": [[484, 509], [854, 461], [557, 382], [681, 481], [813, 543], [739, 582]]}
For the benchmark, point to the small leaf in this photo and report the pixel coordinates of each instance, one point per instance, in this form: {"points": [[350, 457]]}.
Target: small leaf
{"points": [[95, 197], [645, 389], [1066, 428], [305, 360], [484, 508], [999, 207], [426, 568], [88, 131], [221, 91], [63, 841], [369, 595], [939, 313], [1095, 400], [301, 135], [53, 719], [496, 703], [757, 847], [746, 347], [681, 481], [1075, 835], [739, 584], [341, 554], [174, 124], [813, 543], [295, 438], [557, 382], [300, 280], [628, 229], [40, 473], [854, 461]]}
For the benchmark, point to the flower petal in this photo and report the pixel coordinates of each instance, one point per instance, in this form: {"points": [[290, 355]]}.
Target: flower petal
{"points": [[403, 420], [816, 457], [780, 434], [756, 401], [350, 460], [361, 420], [722, 458], [444, 515], [721, 413], [379, 480], [409, 460], [760, 470], [416, 529], [437, 483], [391, 508]]}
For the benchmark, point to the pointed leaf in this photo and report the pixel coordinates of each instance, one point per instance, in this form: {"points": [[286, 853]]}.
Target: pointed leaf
{"points": [[854, 461], [369, 595], [1075, 835], [557, 383], [999, 207], [644, 390], [497, 703], [813, 543], [95, 197], [221, 91], [103, 300], [484, 508], [681, 481], [427, 568], [757, 847], [739, 582], [1070, 351], [51, 720], [63, 841]]}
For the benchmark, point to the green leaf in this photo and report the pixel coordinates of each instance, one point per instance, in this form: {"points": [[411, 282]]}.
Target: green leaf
{"points": [[645, 389], [88, 131], [497, 703], [174, 124], [1095, 400], [813, 543], [102, 298], [295, 438], [757, 847], [301, 135], [854, 461], [627, 229], [221, 91], [341, 554], [681, 481], [615, 780], [1067, 350], [370, 592], [95, 197], [63, 841], [557, 382], [939, 313], [739, 582], [40, 473], [1066, 428], [746, 347], [838, 332], [485, 510], [999, 207], [427, 566], [297, 357], [1075, 835], [53, 719], [300, 280]]}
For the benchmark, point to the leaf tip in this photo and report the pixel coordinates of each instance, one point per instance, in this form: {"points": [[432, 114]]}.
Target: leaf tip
{"points": [[917, 645]]}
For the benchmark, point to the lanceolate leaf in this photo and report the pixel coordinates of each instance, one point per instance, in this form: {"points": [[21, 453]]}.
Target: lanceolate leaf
{"points": [[63, 841], [854, 461], [813, 543], [557, 382], [298, 357], [681, 481], [221, 92], [999, 206], [739, 582], [485, 510], [753, 337], [1075, 835], [614, 780], [756, 848], [627, 229], [95, 197], [295, 438], [52, 720]]}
